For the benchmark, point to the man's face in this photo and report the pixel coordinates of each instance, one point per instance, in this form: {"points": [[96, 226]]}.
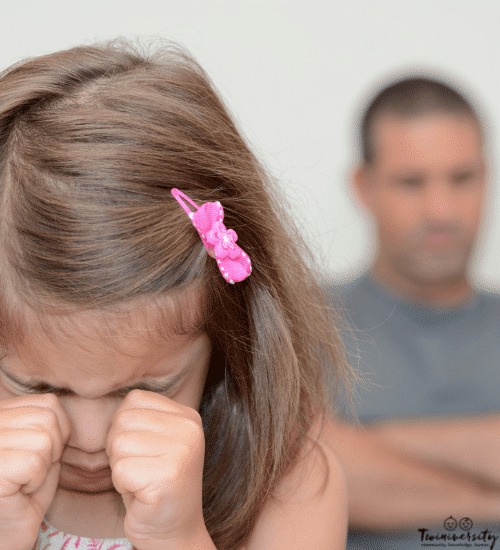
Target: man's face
{"points": [[425, 190]]}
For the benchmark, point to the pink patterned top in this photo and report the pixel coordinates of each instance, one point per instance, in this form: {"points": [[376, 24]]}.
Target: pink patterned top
{"points": [[50, 538]]}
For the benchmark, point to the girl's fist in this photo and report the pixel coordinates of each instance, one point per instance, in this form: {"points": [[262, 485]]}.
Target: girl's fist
{"points": [[33, 432], [156, 450]]}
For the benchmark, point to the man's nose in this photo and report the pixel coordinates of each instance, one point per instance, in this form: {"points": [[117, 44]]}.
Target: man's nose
{"points": [[90, 421], [439, 200]]}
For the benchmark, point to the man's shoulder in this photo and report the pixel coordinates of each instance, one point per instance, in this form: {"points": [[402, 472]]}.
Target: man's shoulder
{"points": [[358, 296], [345, 288], [488, 307], [489, 293], [361, 286], [360, 303]]}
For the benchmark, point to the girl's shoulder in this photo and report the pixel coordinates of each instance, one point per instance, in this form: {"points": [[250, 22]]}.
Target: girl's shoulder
{"points": [[309, 507]]}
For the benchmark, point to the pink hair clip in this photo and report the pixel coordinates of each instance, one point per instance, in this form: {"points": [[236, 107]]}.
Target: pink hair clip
{"points": [[234, 264]]}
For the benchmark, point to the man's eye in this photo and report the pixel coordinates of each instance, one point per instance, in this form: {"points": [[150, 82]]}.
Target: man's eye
{"points": [[411, 182], [463, 177]]}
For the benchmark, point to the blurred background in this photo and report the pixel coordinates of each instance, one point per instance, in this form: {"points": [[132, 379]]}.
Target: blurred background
{"points": [[295, 74]]}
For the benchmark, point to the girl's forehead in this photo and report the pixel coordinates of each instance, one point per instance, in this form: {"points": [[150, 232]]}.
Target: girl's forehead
{"points": [[135, 336]]}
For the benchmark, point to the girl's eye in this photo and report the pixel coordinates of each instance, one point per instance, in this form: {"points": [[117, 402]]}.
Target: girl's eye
{"points": [[13, 387], [42, 387]]}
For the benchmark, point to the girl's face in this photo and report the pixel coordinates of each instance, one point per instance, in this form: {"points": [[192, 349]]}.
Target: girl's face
{"points": [[91, 375]]}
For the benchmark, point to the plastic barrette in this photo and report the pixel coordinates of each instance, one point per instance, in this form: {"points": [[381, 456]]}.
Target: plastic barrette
{"points": [[220, 243]]}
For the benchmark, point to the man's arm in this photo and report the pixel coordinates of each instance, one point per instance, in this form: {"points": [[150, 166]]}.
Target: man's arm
{"points": [[468, 445], [390, 489]]}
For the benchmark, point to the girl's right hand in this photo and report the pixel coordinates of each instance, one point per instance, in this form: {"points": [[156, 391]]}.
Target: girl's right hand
{"points": [[33, 432]]}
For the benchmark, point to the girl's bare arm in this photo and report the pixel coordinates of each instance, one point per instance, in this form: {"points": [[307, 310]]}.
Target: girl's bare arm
{"points": [[309, 510]]}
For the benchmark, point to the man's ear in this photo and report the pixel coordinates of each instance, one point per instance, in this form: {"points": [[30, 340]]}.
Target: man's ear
{"points": [[362, 185]]}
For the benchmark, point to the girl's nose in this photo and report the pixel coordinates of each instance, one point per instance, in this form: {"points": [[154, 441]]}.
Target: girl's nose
{"points": [[90, 421]]}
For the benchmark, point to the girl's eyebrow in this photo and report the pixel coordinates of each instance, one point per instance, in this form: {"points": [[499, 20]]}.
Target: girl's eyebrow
{"points": [[34, 386]]}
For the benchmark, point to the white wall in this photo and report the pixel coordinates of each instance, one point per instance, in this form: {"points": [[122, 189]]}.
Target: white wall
{"points": [[293, 72]]}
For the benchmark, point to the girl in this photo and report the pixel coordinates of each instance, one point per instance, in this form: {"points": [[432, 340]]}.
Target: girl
{"points": [[152, 396]]}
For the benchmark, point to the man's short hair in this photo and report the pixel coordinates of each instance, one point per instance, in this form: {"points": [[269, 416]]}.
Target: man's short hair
{"points": [[412, 97]]}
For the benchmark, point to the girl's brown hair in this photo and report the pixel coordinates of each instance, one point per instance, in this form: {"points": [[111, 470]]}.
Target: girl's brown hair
{"points": [[92, 140]]}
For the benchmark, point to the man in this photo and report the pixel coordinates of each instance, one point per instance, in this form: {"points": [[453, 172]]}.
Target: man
{"points": [[423, 468]]}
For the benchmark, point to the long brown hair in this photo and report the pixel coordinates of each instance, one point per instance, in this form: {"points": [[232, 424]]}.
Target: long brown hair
{"points": [[92, 140]]}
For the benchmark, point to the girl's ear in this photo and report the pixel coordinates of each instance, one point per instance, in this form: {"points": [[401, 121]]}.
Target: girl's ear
{"points": [[362, 185]]}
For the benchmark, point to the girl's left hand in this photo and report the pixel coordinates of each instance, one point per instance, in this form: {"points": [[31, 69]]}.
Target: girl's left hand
{"points": [[156, 450]]}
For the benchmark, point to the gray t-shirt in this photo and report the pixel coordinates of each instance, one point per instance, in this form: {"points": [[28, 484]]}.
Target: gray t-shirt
{"points": [[420, 362]]}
